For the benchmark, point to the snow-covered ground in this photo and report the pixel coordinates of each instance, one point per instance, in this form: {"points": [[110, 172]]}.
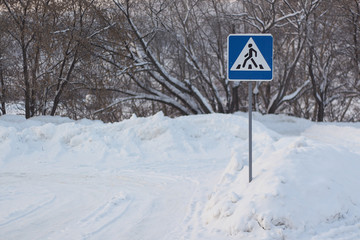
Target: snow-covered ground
{"points": [[184, 178]]}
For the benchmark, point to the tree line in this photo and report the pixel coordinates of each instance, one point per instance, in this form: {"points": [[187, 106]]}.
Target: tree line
{"points": [[108, 59]]}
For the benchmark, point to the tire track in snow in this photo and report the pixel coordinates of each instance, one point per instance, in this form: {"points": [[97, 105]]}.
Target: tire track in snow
{"points": [[106, 215], [32, 209]]}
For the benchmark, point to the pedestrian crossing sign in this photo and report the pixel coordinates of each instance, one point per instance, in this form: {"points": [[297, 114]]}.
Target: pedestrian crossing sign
{"points": [[250, 57]]}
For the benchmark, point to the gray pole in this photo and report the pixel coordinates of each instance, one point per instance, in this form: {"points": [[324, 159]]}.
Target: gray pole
{"points": [[250, 131]]}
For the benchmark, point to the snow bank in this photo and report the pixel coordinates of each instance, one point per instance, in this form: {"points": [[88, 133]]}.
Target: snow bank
{"points": [[153, 140], [303, 186]]}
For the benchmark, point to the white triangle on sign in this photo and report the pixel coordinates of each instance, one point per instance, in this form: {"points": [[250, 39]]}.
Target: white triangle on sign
{"points": [[250, 59]]}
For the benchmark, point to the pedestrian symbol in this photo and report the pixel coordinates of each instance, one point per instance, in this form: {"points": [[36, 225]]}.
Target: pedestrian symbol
{"points": [[250, 57]]}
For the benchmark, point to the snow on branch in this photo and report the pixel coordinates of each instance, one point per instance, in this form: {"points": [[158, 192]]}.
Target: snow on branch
{"points": [[162, 98], [289, 16], [185, 91], [61, 31], [101, 30], [296, 93]]}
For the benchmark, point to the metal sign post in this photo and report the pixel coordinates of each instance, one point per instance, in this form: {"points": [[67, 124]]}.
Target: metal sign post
{"points": [[250, 131], [250, 58]]}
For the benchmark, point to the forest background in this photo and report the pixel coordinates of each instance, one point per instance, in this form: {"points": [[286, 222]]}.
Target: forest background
{"points": [[109, 59]]}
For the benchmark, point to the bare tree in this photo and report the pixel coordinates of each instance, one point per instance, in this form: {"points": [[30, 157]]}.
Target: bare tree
{"points": [[3, 47], [349, 33], [152, 79], [108, 59], [24, 36], [287, 22], [52, 37], [323, 64]]}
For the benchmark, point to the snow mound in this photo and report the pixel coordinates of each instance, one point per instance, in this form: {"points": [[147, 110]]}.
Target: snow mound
{"points": [[301, 184]]}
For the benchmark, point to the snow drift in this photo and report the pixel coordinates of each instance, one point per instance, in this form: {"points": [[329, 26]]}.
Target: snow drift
{"points": [[302, 184]]}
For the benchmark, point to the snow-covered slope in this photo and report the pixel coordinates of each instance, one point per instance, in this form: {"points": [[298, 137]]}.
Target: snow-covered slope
{"points": [[182, 178], [303, 185]]}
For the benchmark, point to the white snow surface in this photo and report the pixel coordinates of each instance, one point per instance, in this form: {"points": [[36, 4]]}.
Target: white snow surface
{"points": [[183, 178]]}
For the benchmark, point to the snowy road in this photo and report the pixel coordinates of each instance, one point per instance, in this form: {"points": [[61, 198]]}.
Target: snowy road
{"points": [[125, 205]]}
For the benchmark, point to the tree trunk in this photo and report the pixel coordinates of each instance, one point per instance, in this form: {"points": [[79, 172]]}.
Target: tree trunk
{"points": [[26, 80], [234, 106], [3, 89], [321, 112], [61, 86]]}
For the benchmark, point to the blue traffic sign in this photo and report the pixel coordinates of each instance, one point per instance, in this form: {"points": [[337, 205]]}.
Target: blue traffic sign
{"points": [[250, 57]]}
